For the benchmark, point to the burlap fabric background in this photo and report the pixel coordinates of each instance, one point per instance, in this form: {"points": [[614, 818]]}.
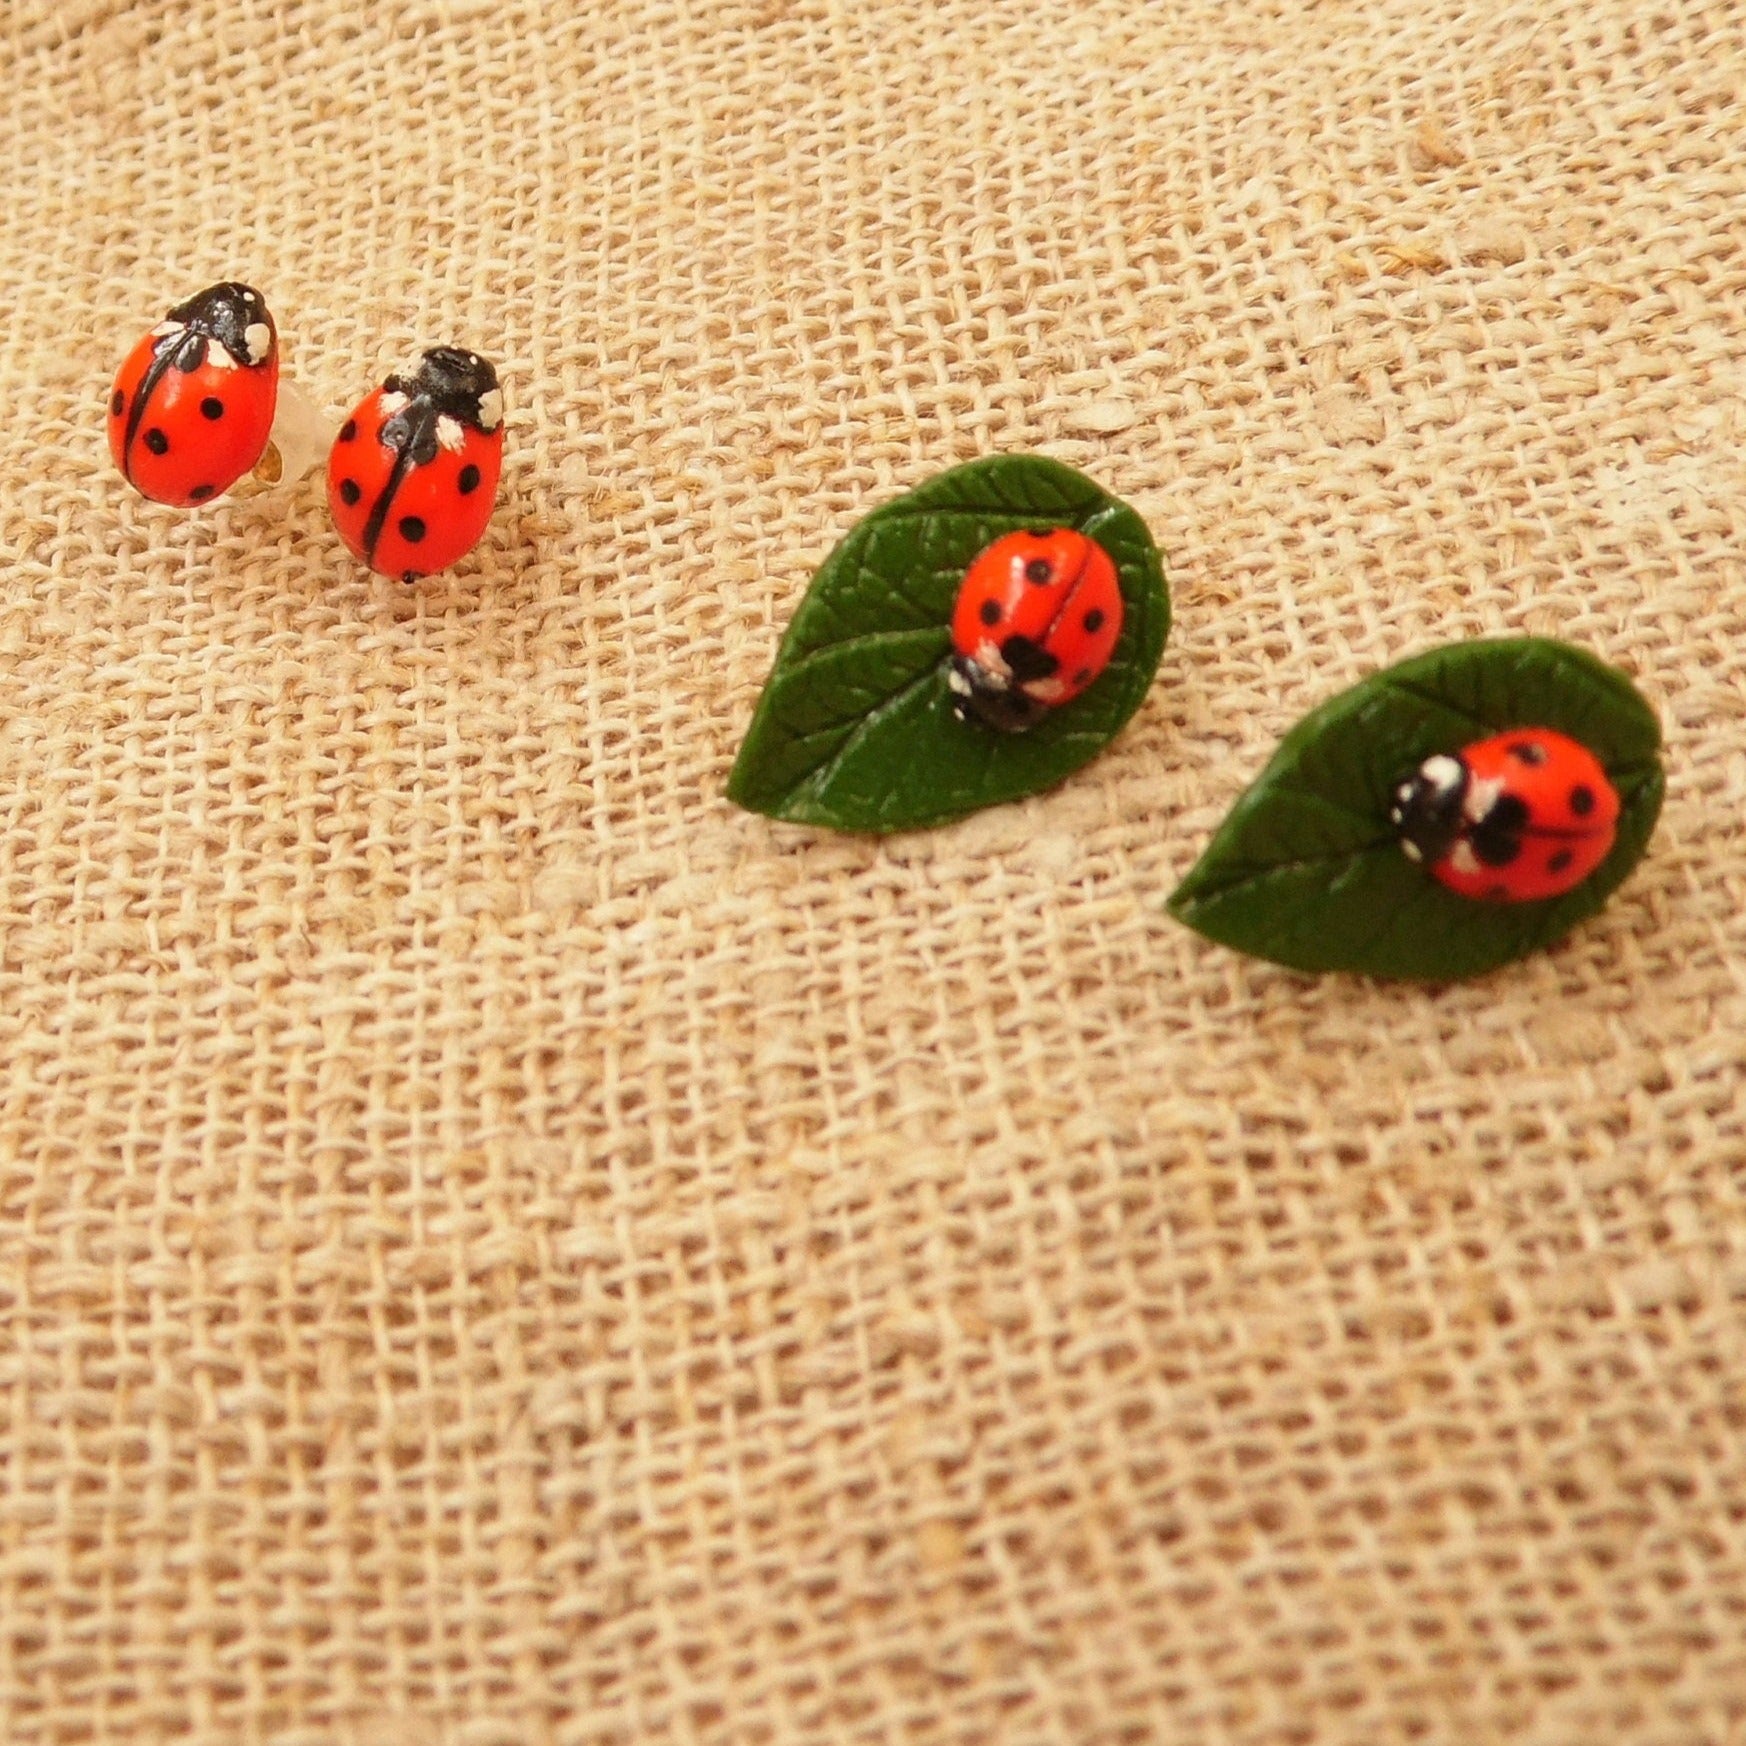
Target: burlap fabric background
{"points": [[497, 1247]]}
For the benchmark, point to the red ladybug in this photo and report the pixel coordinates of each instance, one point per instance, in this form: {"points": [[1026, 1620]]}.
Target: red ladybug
{"points": [[1521, 816], [412, 478], [1037, 620], [193, 402]]}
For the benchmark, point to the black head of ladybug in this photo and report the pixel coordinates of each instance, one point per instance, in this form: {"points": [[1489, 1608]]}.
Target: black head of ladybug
{"points": [[1005, 707], [1427, 810], [999, 698], [457, 384], [232, 315]]}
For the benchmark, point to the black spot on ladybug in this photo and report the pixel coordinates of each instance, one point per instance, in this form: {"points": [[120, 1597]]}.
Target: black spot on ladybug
{"points": [[1560, 861], [1039, 570], [1082, 675], [1509, 812], [350, 491], [467, 482], [1582, 800], [1094, 620], [412, 529], [117, 404], [990, 612], [1497, 838], [1529, 752], [409, 576], [157, 442], [1038, 533], [200, 493], [348, 430], [1028, 660], [212, 407]]}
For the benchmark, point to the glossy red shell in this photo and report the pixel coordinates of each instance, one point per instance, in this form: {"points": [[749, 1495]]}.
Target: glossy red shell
{"points": [[199, 431], [436, 512], [1057, 591], [1570, 817]]}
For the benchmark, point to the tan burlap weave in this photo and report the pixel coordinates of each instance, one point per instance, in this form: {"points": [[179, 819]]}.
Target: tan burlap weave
{"points": [[497, 1247]]}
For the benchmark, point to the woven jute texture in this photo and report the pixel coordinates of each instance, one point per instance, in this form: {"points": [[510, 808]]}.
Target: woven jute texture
{"points": [[499, 1248]]}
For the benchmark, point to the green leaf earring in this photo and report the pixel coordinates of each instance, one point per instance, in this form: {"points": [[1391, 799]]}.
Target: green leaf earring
{"points": [[1448, 815], [971, 643]]}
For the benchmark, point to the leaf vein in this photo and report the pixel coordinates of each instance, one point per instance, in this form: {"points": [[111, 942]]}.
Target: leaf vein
{"points": [[822, 772]]}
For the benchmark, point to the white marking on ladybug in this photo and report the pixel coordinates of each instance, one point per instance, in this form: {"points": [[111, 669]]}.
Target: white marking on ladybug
{"points": [[450, 435], [490, 409], [1462, 857], [1481, 798], [165, 328], [1412, 851], [1045, 690], [219, 357], [996, 672], [393, 403], [258, 337], [956, 681], [1442, 772]]}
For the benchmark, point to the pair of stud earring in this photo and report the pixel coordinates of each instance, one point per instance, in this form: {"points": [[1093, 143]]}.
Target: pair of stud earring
{"points": [[411, 476]]}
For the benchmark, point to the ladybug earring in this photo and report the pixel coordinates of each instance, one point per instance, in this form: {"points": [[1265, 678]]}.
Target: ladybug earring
{"points": [[412, 477], [192, 405], [1037, 619], [199, 402], [1512, 819]]}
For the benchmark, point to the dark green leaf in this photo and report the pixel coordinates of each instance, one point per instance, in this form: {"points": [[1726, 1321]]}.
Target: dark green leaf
{"points": [[855, 727], [1307, 871]]}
